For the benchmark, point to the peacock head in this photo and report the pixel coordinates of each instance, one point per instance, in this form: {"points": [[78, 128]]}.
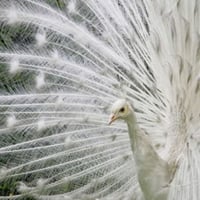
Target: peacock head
{"points": [[121, 109]]}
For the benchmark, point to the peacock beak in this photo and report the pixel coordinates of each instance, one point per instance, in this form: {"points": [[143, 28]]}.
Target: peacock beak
{"points": [[112, 118]]}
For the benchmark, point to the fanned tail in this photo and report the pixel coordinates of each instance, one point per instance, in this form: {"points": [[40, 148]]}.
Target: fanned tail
{"points": [[61, 73]]}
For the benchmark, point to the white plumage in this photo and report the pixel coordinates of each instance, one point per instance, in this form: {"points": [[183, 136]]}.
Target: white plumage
{"points": [[63, 63], [154, 174]]}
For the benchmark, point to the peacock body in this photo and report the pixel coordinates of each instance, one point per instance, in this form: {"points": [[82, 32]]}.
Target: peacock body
{"points": [[63, 63]]}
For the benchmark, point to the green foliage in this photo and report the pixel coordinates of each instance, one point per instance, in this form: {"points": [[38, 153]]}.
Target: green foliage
{"points": [[9, 188], [15, 35], [57, 3]]}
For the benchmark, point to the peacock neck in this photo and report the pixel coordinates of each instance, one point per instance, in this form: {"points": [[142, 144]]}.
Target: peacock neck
{"points": [[138, 139], [133, 130], [153, 172]]}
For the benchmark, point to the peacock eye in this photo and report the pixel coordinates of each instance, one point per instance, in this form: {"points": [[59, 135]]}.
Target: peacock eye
{"points": [[122, 109]]}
